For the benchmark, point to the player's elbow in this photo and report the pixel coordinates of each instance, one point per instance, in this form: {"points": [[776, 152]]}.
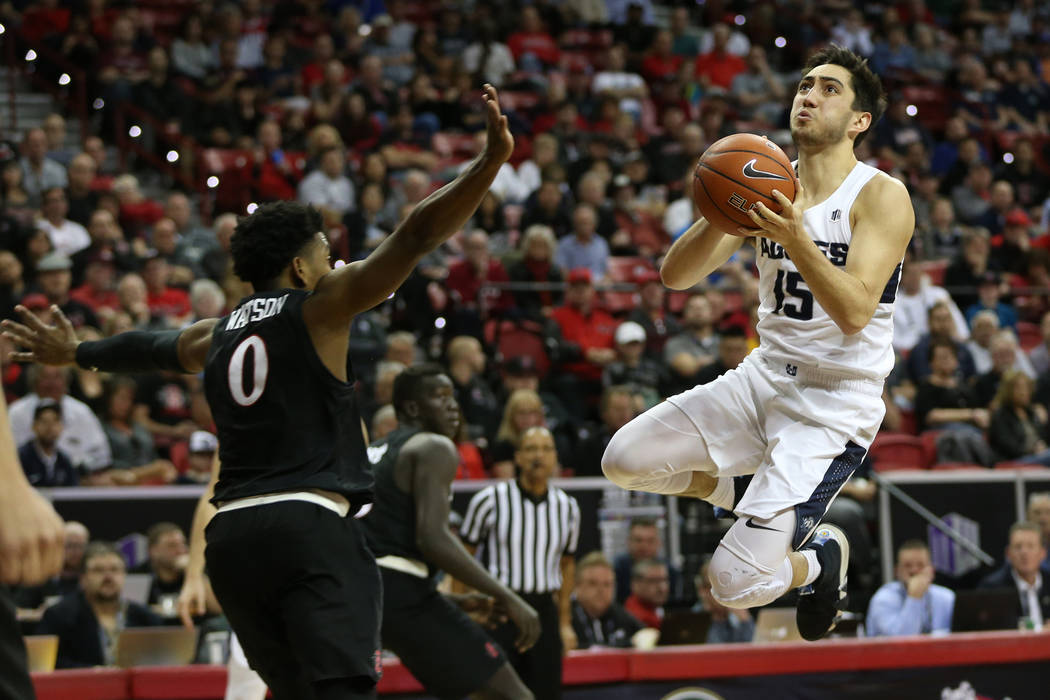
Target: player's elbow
{"points": [[674, 279]]}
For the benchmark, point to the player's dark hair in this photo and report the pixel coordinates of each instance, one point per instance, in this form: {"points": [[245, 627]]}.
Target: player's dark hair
{"points": [[868, 95], [408, 386], [265, 242]]}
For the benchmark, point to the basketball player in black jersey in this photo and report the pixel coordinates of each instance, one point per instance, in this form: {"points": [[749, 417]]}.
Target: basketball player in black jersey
{"points": [[408, 531], [292, 572]]}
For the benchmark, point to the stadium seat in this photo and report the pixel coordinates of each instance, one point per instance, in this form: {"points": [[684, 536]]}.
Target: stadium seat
{"points": [[908, 423], [619, 302], [929, 446], [1028, 335], [894, 451], [516, 339], [934, 269]]}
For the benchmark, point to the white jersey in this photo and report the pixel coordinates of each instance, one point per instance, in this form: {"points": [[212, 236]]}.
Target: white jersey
{"points": [[792, 325]]}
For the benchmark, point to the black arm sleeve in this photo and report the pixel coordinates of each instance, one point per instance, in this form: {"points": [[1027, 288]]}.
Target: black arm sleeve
{"points": [[134, 351]]}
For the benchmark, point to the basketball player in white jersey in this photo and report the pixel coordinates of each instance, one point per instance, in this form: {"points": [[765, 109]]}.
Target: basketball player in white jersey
{"points": [[800, 412]]}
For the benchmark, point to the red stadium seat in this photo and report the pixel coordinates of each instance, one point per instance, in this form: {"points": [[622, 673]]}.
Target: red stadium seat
{"points": [[934, 269], [619, 302], [929, 446], [908, 423], [1018, 465], [1028, 335], [893, 451], [518, 339]]}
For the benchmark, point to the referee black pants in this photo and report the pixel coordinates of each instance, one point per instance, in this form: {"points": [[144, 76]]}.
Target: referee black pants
{"points": [[14, 678], [540, 666]]}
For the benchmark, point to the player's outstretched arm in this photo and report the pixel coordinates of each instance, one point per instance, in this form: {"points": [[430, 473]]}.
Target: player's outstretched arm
{"points": [[32, 537], [697, 253], [359, 286], [434, 463], [133, 351]]}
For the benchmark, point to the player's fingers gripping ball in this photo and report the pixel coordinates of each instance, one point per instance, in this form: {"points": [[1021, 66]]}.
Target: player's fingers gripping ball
{"points": [[737, 172]]}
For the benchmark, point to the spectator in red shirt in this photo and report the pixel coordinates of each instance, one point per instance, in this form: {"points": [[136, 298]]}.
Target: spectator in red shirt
{"points": [[276, 176], [585, 329], [650, 588], [45, 20], [136, 211], [313, 72], [98, 291], [466, 277], [533, 40], [661, 62], [718, 67], [169, 303]]}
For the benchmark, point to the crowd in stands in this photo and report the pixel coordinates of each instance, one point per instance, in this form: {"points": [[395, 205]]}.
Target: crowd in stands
{"points": [[548, 308]]}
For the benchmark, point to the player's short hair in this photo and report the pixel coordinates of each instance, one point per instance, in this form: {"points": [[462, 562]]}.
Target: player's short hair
{"points": [[868, 94], [908, 545], [100, 549], [264, 243], [592, 560], [158, 530], [408, 386]]}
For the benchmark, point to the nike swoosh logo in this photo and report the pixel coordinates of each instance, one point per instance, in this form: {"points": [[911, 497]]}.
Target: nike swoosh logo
{"points": [[755, 174], [750, 522]]}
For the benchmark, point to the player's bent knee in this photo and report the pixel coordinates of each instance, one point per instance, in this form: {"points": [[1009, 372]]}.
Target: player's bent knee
{"points": [[738, 584], [620, 462]]}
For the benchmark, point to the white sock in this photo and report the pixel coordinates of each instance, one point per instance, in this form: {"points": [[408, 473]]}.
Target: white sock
{"points": [[812, 566], [724, 493]]}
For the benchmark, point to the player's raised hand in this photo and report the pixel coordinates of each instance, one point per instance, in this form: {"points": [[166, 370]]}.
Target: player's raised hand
{"points": [[500, 143], [49, 345]]}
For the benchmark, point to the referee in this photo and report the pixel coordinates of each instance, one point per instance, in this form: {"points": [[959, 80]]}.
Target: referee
{"points": [[526, 531]]}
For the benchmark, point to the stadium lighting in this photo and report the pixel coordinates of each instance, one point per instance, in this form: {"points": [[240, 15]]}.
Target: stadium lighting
{"points": [[30, 55], [135, 131], [364, 29], [64, 79], [1008, 157], [173, 156], [439, 322], [99, 103], [911, 110], [2, 30], [739, 20], [252, 206], [212, 182], [780, 42], [338, 264]]}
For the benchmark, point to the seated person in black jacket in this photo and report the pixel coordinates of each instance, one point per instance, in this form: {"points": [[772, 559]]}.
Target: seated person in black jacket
{"points": [[732, 349], [1018, 428], [597, 619], [45, 464], [89, 621], [1024, 571]]}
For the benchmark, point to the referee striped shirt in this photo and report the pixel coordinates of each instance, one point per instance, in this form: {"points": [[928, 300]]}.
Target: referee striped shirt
{"points": [[521, 538]]}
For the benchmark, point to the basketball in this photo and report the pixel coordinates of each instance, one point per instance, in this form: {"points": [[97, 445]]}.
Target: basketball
{"points": [[734, 174]]}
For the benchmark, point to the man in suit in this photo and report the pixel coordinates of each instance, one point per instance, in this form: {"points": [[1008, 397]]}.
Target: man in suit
{"points": [[1024, 571], [89, 621]]}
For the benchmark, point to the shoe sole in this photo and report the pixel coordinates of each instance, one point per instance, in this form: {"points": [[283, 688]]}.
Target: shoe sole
{"points": [[840, 537]]}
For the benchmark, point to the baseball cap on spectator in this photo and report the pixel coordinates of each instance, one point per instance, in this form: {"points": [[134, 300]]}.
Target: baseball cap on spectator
{"points": [[629, 332], [520, 366], [579, 275], [646, 275], [47, 405], [53, 262], [35, 302], [203, 441], [1018, 217]]}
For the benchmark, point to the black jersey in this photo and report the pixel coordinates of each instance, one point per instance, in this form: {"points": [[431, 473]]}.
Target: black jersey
{"points": [[284, 421], [391, 524]]}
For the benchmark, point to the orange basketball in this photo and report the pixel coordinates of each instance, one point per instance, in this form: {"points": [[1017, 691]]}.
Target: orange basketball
{"points": [[735, 173]]}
